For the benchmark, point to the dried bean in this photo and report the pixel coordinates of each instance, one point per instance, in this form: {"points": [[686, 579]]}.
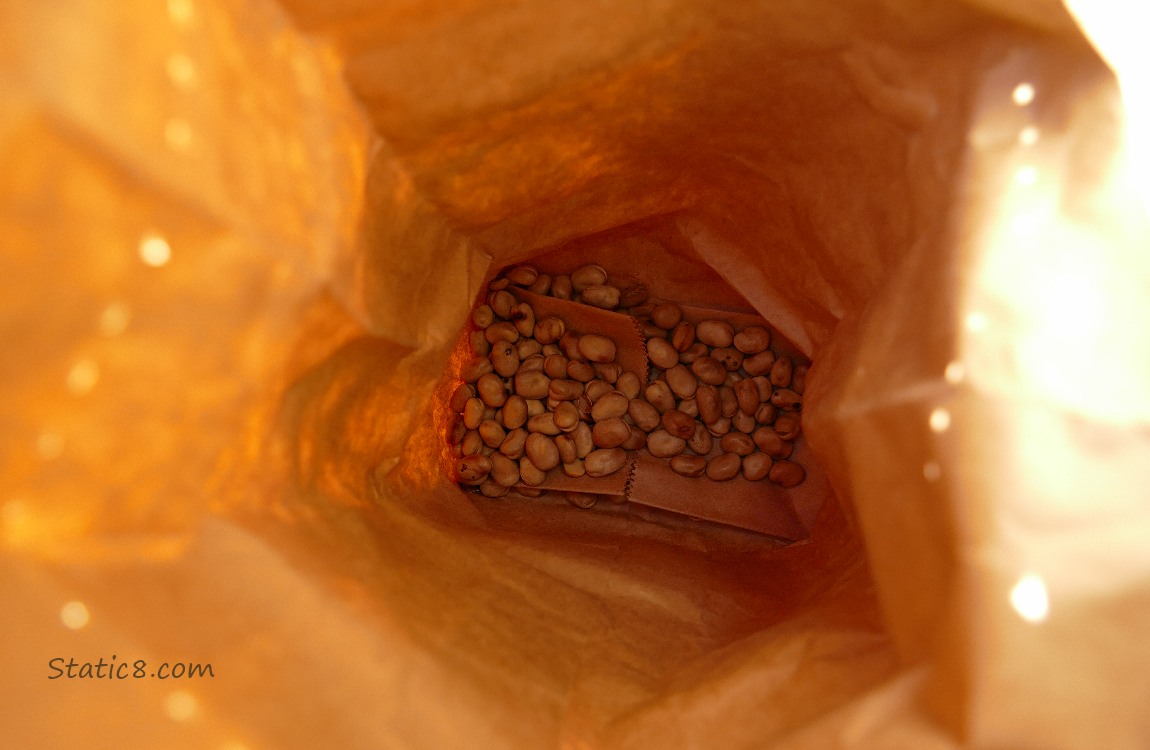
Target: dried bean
{"points": [[723, 467], [544, 423], [514, 443], [588, 276], [732, 359], [709, 370], [542, 284], [581, 371], [524, 319], [663, 444], [737, 442], [575, 468], [504, 471], [529, 473], [781, 372], [678, 424], [566, 447], [771, 443], [666, 315], [602, 296], [561, 287], [788, 426], [502, 303], [610, 405], [693, 353], [689, 406], [475, 368], [502, 331], [471, 442], [582, 499], [596, 388], [584, 442], [682, 383], [608, 371], [492, 489], [747, 396], [549, 330], [718, 333], [683, 336], [752, 340], [483, 316], [514, 412], [787, 400], [628, 383], [689, 466], [472, 469], [522, 275], [473, 413], [566, 416], [787, 473], [756, 466], [564, 390], [600, 463], [636, 440], [661, 353], [701, 441], [759, 364], [610, 433], [480, 346], [645, 416], [460, 395], [707, 398], [659, 395], [542, 451]]}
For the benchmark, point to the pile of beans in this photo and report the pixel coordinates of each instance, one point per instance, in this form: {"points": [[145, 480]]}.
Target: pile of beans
{"points": [[538, 398]]}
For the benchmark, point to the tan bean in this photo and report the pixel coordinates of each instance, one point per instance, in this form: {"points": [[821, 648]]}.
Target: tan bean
{"points": [[652, 331], [633, 293], [514, 444], [728, 403], [747, 396], [475, 368], [628, 384], [534, 406], [541, 285], [759, 364], [763, 386], [473, 468], [636, 440], [681, 381], [661, 353], [737, 442], [529, 491], [610, 433], [707, 399], [787, 474], [588, 276], [732, 359], [689, 466], [582, 499], [575, 468], [480, 346], [709, 370], [596, 388], [460, 395], [584, 442], [720, 426], [756, 466], [683, 336], [566, 416], [752, 340], [555, 366], [491, 389], [504, 471], [566, 446], [718, 333], [781, 372], [473, 413], [788, 426], [526, 347], [799, 378], [609, 405], [663, 444], [701, 441], [531, 384], [542, 451], [600, 463], [766, 413], [522, 275], [645, 416], [724, 467], [569, 343], [597, 348], [488, 412], [678, 424], [659, 395], [483, 316], [787, 400], [492, 433], [771, 443], [549, 330], [602, 296], [581, 371], [496, 284], [732, 378], [694, 352], [502, 331], [502, 303], [524, 319], [564, 390], [666, 315], [608, 371], [514, 412], [689, 406], [492, 489], [534, 363], [561, 287], [642, 312], [458, 430], [471, 443], [744, 422], [531, 474], [583, 404], [549, 349], [543, 423]]}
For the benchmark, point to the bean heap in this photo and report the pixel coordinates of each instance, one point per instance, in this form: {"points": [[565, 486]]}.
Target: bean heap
{"points": [[538, 398]]}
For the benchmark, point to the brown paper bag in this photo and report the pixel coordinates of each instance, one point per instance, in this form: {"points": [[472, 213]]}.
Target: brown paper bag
{"points": [[239, 241]]}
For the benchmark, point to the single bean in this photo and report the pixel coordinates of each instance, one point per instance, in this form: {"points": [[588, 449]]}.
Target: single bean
{"points": [[701, 441], [781, 372], [663, 444], [707, 399], [636, 440], [659, 395], [642, 312], [759, 364], [666, 315], [584, 442], [681, 381], [492, 489], [492, 390], [460, 395], [597, 348], [581, 499], [628, 383], [747, 396], [717, 333], [788, 426], [744, 422], [688, 406], [475, 368], [575, 468], [566, 446], [534, 406], [522, 275], [588, 276], [724, 467], [564, 390], [709, 370], [549, 349], [549, 330], [720, 427], [531, 384], [566, 416], [764, 387], [787, 400], [504, 471], [458, 430], [524, 319], [514, 444], [645, 416], [602, 296], [678, 424], [756, 466], [531, 474], [693, 353], [689, 466], [544, 423], [561, 287], [634, 293], [609, 405], [737, 442], [600, 463], [728, 403], [610, 433], [555, 366], [479, 343], [583, 404], [514, 412], [473, 413], [581, 371], [542, 284], [534, 363], [661, 353], [471, 442], [502, 303], [596, 388], [542, 451], [472, 469], [608, 371], [492, 433], [683, 336], [569, 343], [483, 316], [504, 330], [787, 474], [526, 347], [732, 359], [752, 340], [498, 283], [771, 443], [766, 413]]}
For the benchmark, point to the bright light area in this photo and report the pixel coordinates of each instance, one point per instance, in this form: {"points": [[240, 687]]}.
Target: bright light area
{"points": [[181, 70], [955, 372], [181, 11], [1029, 599], [181, 705], [83, 376], [155, 250], [939, 420], [1026, 176], [1028, 136], [976, 322], [74, 615], [1023, 94], [114, 319]]}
